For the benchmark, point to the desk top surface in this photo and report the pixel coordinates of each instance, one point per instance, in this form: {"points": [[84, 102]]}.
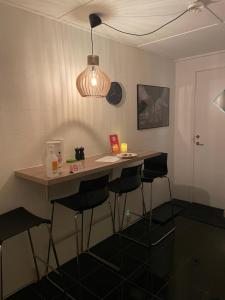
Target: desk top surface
{"points": [[89, 166]]}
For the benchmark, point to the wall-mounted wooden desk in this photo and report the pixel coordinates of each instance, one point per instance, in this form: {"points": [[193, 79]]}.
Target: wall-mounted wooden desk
{"points": [[89, 166]]}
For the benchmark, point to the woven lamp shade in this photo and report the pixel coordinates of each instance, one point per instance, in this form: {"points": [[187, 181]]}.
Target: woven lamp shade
{"points": [[93, 81]]}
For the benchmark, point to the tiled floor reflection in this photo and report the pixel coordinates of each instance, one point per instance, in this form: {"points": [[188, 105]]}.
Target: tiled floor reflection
{"points": [[188, 265]]}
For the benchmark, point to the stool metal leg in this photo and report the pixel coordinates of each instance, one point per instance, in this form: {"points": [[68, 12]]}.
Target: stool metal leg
{"points": [[82, 232], [144, 211], [33, 253], [174, 227], [53, 247], [1, 272], [77, 242], [90, 227], [118, 209], [150, 219], [169, 184], [150, 206], [100, 259], [124, 211], [121, 234], [115, 203], [77, 238], [112, 217], [49, 245]]}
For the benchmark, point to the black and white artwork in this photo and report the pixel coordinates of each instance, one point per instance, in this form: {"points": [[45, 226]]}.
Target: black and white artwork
{"points": [[152, 106]]}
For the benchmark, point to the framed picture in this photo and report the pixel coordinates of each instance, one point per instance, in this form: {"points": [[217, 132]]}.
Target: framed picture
{"points": [[152, 106]]}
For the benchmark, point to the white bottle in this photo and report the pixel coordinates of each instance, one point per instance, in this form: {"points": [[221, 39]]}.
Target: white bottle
{"points": [[52, 162]]}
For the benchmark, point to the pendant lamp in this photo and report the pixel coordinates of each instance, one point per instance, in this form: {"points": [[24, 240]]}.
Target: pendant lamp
{"points": [[93, 82]]}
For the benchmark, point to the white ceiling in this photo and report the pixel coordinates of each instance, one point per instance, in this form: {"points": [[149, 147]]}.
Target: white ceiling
{"points": [[193, 34]]}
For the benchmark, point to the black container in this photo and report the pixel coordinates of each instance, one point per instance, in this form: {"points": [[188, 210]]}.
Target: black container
{"points": [[82, 156], [77, 153]]}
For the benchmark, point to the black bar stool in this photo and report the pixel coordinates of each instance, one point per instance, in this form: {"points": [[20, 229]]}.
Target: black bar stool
{"points": [[15, 222], [92, 193], [156, 167], [129, 181]]}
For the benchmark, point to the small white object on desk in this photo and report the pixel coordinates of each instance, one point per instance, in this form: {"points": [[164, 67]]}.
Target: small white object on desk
{"points": [[108, 159], [126, 155]]}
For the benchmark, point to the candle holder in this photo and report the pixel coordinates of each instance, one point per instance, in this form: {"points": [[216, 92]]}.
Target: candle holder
{"points": [[123, 148]]}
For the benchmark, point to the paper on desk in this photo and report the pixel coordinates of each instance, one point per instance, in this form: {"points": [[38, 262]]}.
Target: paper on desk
{"points": [[108, 159]]}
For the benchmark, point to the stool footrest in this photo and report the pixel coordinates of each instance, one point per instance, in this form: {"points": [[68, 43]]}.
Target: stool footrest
{"points": [[150, 244], [103, 261], [60, 288], [163, 237], [135, 241]]}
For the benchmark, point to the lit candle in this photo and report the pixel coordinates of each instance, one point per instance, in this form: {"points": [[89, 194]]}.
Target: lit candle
{"points": [[123, 147]]}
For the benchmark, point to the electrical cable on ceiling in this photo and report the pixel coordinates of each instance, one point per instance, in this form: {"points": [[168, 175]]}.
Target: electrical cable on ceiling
{"points": [[92, 46], [148, 16], [148, 33]]}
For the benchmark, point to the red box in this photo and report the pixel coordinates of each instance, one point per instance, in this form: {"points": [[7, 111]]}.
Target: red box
{"points": [[114, 142]]}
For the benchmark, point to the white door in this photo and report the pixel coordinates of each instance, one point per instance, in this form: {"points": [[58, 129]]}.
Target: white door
{"points": [[209, 139]]}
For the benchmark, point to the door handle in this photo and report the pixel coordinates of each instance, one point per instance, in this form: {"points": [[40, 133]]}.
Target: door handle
{"points": [[197, 136], [199, 144]]}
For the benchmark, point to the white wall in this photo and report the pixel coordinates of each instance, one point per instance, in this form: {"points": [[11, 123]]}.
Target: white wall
{"points": [[184, 119], [39, 62]]}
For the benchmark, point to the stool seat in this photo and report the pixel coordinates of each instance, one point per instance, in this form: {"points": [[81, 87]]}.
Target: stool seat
{"points": [[129, 180], [124, 185], [83, 201], [17, 221], [150, 175], [92, 193]]}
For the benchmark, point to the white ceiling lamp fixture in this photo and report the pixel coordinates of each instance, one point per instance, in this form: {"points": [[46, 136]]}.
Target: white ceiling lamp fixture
{"points": [[93, 82], [198, 5]]}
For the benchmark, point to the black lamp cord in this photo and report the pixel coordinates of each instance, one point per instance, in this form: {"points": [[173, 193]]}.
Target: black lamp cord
{"points": [[92, 44], [148, 33], [136, 34]]}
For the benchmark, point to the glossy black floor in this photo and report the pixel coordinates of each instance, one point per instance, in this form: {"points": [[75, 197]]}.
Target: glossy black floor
{"points": [[188, 265]]}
